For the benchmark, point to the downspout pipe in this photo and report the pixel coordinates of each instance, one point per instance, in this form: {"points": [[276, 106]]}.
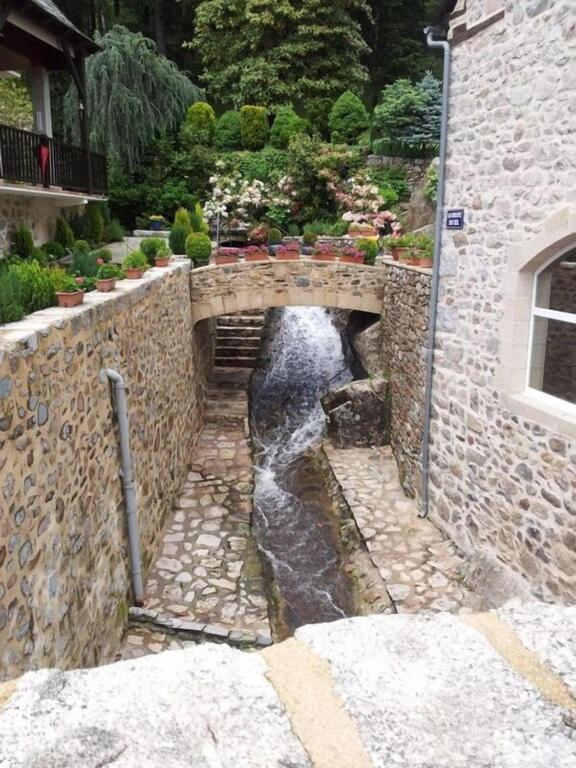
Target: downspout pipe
{"points": [[128, 484], [444, 46]]}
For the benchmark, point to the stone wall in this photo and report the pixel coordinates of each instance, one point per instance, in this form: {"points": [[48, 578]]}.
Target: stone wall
{"points": [[501, 483], [306, 282], [404, 338], [36, 213], [64, 582]]}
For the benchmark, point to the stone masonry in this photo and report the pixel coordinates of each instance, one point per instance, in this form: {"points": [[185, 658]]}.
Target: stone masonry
{"points": [[64, 580], [504, 482], [37, 214]]}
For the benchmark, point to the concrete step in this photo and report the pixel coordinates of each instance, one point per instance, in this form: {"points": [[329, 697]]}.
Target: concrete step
{"points": [[236, 351], [235, 362], [240, 320], [249, 332], [249, 342]]}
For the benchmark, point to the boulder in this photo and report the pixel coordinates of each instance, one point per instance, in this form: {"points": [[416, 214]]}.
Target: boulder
{"points": [[359, 414]]}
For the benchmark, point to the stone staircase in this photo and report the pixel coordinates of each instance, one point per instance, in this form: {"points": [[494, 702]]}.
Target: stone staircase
{"points": [[238, 338]]}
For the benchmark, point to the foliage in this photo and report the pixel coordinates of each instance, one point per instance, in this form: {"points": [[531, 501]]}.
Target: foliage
{"points": [[197, 220], [108, 272], [81, 246], [135, 260], [409, 116], [104, 255], [286, 125], [36, 291], [84, 264], [370, 250], [199, 126], [198, 248], [134, 95], [150, 247], [432, 178], [63, 282], [228, 137], [182, 219], [177, 239], [348, 119], [274, 236], [15, 105], [94, 224], [53, 250], [11, 309], [281, 52], [113, 232], [391, 183], [22, 242], [64, 234], [254, 127]]}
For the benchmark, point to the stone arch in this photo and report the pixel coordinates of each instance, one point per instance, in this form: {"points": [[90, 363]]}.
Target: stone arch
{"points": [[259, 285]]}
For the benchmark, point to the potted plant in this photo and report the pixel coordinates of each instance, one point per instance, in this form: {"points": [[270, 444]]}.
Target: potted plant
{"points": [[309, 241], [199, 249], [289, 252], [157, 223], [68, 293], [259, 235], [162, 257], [351, 255], [106, 278], [324, 253], [227, 256], [274, 240], [425, 245], [255, 253], [401, 246], [135, 264], [359, 229]]}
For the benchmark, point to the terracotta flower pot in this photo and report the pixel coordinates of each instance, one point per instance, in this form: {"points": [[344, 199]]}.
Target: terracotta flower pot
{"points": [[79, 280], [163, 262], [288, 256], [324, 256], [67, 299], [222, 260], [426, 263], [134, 273], [107, 285], [99, 262], [351, 259], [397, 252], [256, 257]]}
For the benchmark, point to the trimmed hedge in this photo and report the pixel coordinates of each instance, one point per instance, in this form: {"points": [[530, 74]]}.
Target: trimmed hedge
{"points": [[228, 136], [286, 125], [348, 119], [198, 248], [199, 126], [254, 126]]}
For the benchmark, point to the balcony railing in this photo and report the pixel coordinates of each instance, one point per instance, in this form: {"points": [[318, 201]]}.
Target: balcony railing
{"points": [[35, 159]]}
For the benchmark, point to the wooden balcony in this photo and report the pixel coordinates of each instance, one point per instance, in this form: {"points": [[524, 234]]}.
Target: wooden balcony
{"points": [[33, 159]]}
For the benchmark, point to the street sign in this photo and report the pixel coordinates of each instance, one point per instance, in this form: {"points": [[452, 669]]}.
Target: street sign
{"points": [[455, 219]]}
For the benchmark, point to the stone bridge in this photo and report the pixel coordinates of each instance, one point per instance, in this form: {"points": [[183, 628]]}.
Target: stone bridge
{"points": [[258, 285]]}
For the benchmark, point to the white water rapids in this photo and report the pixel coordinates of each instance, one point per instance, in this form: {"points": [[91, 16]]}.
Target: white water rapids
{"points": [[304, 359]]}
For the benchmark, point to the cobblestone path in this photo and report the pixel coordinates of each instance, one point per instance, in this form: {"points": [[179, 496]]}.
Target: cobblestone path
{"points": [[208, 577], [421, 567]]}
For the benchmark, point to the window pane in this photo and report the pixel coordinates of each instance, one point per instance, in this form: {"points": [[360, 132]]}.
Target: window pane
{"points": [[553, 365], [557, 285]]}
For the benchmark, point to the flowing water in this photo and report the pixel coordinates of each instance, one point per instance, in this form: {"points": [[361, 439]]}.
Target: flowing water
{"points": [[297, 534]]}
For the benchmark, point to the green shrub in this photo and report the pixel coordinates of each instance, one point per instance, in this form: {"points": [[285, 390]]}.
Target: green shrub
{"points": [[81, 246], [228, 136], [266, 165], [319, 227], [84, 264], [109, 271], [254, 126], [199, 126], [104, 254], [197, 221], [177, 240], [348, 119], [135, 260], [22, 243], [339, 229], [53, 250], [294, 230], [431, 188], [11, 309], [63, 282], [94, 224], [274, 236], [309, 238], [182, 219], [370, 250], [150, 246], [114, 232], [64, 234], [286, 125], [36, 289], [198, 248], [78, 224]]}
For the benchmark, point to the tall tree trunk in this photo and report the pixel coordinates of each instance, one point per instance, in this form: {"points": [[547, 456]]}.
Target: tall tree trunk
{"points": [[159, 28]]}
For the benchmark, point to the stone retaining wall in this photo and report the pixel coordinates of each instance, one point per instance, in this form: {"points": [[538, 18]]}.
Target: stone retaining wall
{"points": [[64, 582], [404, 338], [259, 285]]}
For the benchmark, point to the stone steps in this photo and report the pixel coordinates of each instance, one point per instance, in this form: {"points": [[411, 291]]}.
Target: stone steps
{"points": [[235, 362], [238, 339], [248, 342]]}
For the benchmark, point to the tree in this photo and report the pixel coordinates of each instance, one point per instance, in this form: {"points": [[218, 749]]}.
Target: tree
{"points": [[427, 130], [254, 127], [199, 126], [228, 132], [15, 104], [134, 96], [286, 125], [280, 52], [348, 119]]}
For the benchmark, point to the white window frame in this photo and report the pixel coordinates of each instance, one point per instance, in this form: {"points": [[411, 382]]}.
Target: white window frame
{"points": [[548, 314]]}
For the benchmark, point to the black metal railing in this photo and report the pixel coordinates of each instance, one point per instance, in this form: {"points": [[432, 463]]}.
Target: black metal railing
{"points": [[36, 159]]}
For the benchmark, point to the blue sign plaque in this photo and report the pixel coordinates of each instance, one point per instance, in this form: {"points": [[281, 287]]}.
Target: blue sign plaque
{"points": [[455, 219]]}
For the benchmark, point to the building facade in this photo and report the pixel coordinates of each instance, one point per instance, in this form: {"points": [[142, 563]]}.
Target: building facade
{"points": [[503, 472]]}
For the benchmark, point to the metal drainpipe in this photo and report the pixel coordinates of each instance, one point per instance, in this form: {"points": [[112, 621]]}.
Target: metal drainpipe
{"points": [[444, 46], [128, 484]]}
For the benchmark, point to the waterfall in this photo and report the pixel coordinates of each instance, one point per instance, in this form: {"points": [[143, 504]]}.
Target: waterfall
{"points": [[304, 359]]}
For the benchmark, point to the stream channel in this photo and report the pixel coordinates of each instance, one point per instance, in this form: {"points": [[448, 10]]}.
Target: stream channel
{"points": [[303, 357]]}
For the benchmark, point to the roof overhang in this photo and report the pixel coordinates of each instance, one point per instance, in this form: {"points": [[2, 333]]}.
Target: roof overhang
{"points": [[55, 196]]}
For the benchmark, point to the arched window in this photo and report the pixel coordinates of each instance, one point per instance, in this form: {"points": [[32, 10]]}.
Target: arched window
{"points": [[552, 367]]}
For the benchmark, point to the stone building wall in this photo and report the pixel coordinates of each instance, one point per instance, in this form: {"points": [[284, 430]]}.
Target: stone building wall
{"points": [[33, 212], [501, 483], [404, 337], [64, 581], [560, 367]]}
